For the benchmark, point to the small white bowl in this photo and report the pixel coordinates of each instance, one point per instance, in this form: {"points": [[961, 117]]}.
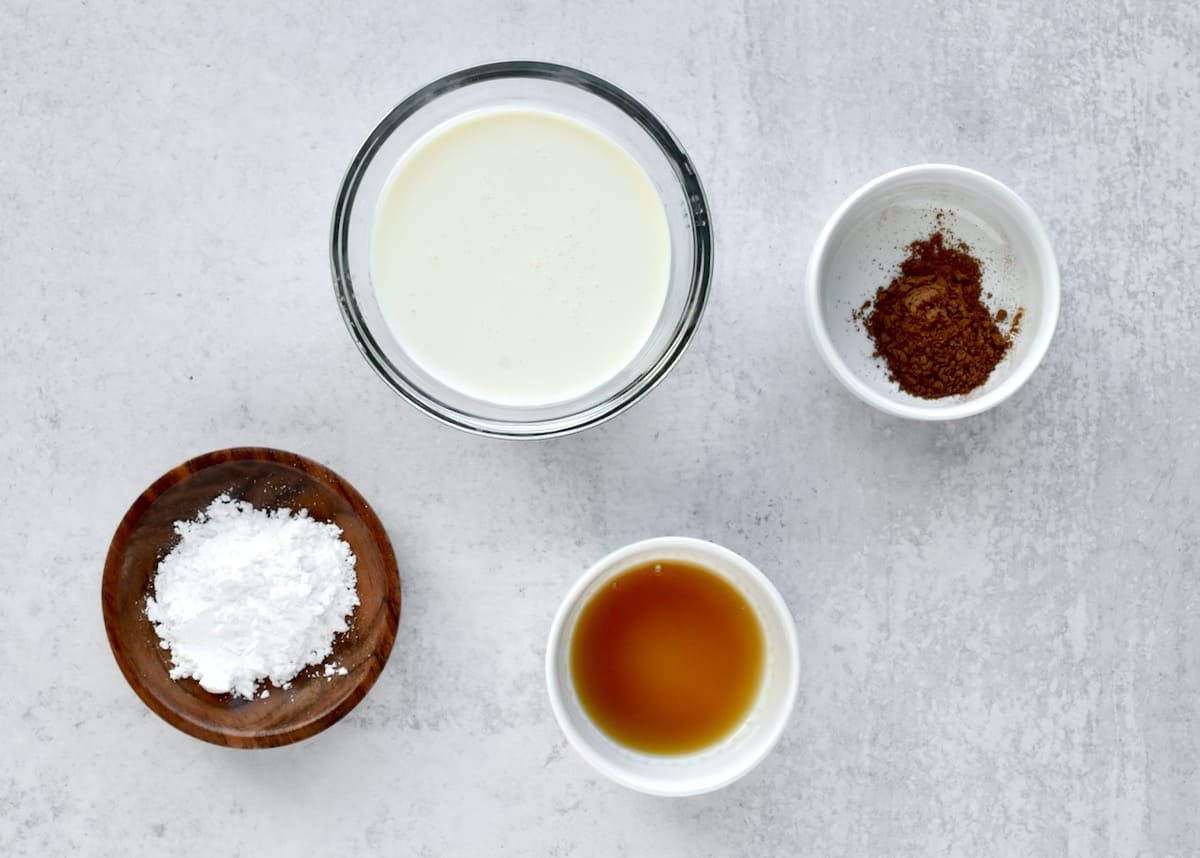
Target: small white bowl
{"points": [[862, 245], [713, 767]]}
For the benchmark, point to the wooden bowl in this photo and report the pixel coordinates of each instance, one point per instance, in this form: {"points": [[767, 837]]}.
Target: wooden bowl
{"points": [[269, 479]]}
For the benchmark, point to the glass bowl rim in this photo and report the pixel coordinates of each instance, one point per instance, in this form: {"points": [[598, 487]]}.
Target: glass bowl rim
{"points": [[701, 262]]}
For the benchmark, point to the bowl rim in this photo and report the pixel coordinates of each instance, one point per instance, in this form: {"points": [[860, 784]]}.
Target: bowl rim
{"points": [[557, 693], [1047, 278], [111, 610], [701, 263]]}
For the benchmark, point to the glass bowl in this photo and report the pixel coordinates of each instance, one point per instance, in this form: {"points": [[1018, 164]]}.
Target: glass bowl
{"points": [[577, 95]]}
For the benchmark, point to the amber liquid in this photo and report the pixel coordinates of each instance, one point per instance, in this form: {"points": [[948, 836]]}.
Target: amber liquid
{"points": [[667, 658]]}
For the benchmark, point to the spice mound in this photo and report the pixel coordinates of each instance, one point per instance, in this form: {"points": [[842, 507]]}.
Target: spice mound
{"points": [[249, 595], [930, 324]]}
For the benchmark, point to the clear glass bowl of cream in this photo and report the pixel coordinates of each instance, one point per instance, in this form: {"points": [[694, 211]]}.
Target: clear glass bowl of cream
{"points": [[521, 249]]}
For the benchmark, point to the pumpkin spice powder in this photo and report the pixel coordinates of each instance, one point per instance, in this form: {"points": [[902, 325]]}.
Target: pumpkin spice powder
{"points": [[930, 324]]}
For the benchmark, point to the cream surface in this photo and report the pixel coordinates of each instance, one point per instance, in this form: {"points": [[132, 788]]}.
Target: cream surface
{"points": [[520, 256]]}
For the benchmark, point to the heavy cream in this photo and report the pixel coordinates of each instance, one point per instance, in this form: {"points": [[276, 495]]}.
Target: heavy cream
{"points": [[520, 256]]}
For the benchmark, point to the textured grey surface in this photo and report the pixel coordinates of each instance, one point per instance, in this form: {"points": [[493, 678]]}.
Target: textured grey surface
{"points": [[1000, 618]]}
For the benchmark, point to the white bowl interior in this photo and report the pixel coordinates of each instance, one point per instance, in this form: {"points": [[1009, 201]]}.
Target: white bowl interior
{"points": [[738, 753], [867, 240]]}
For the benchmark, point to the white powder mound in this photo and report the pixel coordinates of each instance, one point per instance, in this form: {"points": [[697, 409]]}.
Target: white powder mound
{"points": [[251, 594]]}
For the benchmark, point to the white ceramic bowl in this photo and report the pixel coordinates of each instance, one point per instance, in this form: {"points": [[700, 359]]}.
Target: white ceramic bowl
{"points": [[711, 768], [862, 245]]}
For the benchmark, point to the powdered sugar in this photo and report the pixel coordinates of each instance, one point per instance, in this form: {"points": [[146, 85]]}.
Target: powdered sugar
{"points": [[250, 594]]}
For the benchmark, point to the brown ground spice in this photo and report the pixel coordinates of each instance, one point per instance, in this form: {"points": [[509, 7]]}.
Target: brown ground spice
{"points": [[930, 324]]}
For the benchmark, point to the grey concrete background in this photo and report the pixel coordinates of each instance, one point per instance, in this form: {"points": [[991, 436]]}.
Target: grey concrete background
{"points": [[999, 618]]}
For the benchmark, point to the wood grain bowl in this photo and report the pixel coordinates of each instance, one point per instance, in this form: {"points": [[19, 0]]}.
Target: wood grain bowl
{"points": [[269, 479]]}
